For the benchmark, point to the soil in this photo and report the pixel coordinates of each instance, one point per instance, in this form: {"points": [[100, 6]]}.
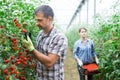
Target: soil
{"points": [[70, 68]]}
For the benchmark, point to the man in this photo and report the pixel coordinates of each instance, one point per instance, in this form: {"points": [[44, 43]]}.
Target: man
{"points": [[51, 46]]}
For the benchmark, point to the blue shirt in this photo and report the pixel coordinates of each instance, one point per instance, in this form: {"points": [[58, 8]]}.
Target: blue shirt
{"points": [[84, 51]]}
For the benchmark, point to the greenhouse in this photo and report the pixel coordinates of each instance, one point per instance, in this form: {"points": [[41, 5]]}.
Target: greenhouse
{"points": [[100, 18]]}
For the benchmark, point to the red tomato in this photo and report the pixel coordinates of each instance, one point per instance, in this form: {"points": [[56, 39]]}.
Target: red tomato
{"points": [[6, 61], [24, 30], [5, 71], [13, 39], [11, 57]]}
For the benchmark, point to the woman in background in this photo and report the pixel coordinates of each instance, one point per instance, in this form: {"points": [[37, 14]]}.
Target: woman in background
{"points": [[84, 52]]}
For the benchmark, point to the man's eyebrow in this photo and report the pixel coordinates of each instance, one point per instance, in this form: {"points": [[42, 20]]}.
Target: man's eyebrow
{"points": [[39, 19]]}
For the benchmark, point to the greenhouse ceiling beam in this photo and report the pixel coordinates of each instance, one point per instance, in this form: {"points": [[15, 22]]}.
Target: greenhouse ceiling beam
{"points": [[77, 10]]}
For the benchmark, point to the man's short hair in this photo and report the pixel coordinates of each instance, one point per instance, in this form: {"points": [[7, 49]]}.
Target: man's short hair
{"points": [[46, 10]]}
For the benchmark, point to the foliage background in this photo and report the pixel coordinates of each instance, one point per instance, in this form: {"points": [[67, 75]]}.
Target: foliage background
{"points": [[105, 33]]}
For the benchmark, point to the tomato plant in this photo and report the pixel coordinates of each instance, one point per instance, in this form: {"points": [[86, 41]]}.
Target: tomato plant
{"points": [[107, 43], [108, 47], [17, 18]]}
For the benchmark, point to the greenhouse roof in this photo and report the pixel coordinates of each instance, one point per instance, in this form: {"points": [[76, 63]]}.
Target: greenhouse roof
{"points": [[64, 10]]}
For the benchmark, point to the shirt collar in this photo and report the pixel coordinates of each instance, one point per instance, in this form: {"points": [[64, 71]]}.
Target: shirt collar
{"points": [[52, 31], [82, 41]]}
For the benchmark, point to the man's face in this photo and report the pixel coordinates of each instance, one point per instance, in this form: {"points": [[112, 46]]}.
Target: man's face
{"points": [[41, 21], [83, 33]]}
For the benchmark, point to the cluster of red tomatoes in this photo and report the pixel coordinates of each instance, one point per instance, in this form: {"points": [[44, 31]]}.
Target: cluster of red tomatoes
{"points": [[21, 59]]}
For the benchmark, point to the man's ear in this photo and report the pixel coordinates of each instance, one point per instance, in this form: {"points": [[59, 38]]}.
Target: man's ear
{"points": [[50, 18]]}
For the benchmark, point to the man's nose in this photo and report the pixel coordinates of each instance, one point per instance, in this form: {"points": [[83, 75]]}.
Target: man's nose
{"points": [[36, 23]]}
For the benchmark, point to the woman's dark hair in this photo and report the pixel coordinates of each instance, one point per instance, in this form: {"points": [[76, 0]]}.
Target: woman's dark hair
{"points": [[82, 28]]}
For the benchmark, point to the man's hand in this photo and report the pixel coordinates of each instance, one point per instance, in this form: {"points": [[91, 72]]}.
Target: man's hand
{"points": [[80, 63], [28, 43]]}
